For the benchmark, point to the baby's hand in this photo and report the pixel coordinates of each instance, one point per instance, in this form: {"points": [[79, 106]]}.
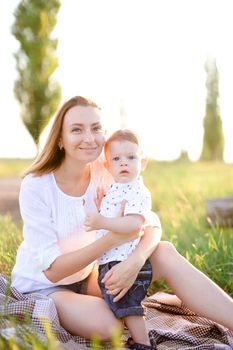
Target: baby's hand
{"points": [[93, 222]]}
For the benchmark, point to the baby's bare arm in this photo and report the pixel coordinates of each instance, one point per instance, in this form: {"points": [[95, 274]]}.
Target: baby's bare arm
{"points": [[121, 224]]}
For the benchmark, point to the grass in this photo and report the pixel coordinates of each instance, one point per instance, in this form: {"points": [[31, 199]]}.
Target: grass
{"points": [[10, 238], [179, 192], [13, 167]]}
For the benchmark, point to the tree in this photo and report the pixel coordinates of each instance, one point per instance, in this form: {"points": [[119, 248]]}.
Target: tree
{"points": [[36, 89], [183, 157], [213, 139]]}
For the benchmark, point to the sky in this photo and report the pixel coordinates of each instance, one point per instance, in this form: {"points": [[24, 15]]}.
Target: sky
{"points": [[145, 56]]}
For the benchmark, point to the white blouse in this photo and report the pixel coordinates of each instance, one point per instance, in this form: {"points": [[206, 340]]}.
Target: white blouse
{"points": [[53, 225]]}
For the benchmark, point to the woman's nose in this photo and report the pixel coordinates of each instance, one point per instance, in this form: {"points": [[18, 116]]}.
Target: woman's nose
{"points": [[88, 136]]}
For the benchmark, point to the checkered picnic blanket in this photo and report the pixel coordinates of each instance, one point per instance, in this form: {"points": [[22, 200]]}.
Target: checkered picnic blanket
{"points": [[170, 327]]}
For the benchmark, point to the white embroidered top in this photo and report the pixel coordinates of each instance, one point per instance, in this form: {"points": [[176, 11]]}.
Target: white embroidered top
{"points": [[138, 200], [53, 225]]}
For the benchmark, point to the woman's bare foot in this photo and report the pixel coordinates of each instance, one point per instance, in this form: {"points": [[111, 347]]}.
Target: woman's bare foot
{"points": [[169, 299]]}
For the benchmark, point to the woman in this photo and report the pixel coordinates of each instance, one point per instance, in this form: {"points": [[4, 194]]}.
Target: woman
{"points": [[56, 256]]}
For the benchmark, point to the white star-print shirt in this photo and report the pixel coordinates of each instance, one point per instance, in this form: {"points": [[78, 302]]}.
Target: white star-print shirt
{"points": [[138, 200]]}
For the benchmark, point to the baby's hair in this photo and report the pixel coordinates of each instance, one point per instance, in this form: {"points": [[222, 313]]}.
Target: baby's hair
{"points": [[121, 135]]}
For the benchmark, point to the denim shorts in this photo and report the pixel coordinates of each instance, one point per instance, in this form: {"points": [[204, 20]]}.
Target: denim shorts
{"points": [[77, 287], [130, 303]]}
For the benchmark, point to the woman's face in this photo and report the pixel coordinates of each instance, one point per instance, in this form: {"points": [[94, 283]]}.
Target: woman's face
{"points": [[82, 134]]}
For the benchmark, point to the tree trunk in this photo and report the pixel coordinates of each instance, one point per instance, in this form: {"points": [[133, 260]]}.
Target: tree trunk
{"points": [[220, 211]]}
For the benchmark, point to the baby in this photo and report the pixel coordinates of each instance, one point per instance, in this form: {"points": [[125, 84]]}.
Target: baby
{"points": [[124, 162]]}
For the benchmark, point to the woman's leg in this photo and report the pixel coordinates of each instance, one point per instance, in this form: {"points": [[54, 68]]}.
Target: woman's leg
{"points": [[77, 314], [92, 283], [196, 290]]}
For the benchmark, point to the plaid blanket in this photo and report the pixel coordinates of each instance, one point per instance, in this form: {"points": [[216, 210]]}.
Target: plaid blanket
{"points": [[170, 327]]}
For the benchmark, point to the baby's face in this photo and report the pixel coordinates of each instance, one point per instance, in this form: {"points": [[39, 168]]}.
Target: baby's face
{"points": [[123, 161]]}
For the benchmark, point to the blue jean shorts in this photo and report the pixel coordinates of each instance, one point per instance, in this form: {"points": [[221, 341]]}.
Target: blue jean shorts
{"points": [[77, 287], [130, 303]]}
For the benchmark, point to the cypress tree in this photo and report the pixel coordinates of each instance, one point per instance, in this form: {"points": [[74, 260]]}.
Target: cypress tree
{"points": [[213, 139], [36, 89]]}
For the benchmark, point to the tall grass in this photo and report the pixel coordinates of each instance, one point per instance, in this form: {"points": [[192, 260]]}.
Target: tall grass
{"points": [[10, 238], [180, 192]]}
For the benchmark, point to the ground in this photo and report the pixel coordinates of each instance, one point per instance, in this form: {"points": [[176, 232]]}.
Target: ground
{"points": [[9, 192]]}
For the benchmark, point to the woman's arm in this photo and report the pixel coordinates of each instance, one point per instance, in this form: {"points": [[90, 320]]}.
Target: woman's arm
{"points": [[40, 236], [69, 263], [122, 276]]}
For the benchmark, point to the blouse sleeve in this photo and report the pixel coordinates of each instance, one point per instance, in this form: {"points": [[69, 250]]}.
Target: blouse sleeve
{"points": [[39, 231], [153, 220]]}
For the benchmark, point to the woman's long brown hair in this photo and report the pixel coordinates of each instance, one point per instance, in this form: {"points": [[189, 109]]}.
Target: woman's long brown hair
{"points": [[52, 156]]}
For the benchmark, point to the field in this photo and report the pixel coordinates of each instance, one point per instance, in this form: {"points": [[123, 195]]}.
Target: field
{"points": [[179, 192], [13, 167]]}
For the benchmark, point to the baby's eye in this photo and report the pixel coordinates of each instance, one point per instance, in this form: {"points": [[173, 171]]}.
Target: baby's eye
{"points": [[116, 159], [132, 157]]}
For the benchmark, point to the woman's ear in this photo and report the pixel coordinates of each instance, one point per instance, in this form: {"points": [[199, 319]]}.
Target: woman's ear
{"points": [[144, 163]]}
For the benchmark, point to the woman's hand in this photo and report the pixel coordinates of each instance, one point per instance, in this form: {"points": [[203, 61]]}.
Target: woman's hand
{"points": [[100, 193], [122, 276]]}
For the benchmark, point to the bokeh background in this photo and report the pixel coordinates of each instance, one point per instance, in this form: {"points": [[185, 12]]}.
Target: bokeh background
{"points": [[142, 61]]}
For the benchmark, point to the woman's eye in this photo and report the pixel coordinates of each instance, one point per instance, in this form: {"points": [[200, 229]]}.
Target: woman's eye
{"points": [[78, 130], [97, 129]]}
